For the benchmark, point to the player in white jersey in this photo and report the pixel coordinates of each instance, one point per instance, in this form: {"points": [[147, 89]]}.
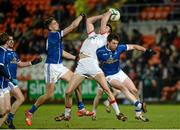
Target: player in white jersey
{"points": [[88, 65]]}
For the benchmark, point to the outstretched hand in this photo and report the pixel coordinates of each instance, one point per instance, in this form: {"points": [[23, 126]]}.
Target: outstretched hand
{"points": [[149, 52], [36, 60], [84, 17]]}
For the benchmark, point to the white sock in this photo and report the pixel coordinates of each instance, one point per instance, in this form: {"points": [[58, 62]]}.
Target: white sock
{"points": [[82, 109], [138, 113], [116, 108], [67, 112], [94, 111], [106, 103]]}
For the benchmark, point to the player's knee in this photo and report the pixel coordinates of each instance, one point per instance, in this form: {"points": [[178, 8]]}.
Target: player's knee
{"points": [[68, 93], [49, 96], [99, 97], [22, 99]]}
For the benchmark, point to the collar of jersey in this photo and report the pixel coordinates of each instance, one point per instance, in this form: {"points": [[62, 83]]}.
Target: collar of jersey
{"points": [[107, 48], [3, 48]]}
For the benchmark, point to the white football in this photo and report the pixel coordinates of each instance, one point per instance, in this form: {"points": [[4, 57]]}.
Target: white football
{"points": [[115, 14]]}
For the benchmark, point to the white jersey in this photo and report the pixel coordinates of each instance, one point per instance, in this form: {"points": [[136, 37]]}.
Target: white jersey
{"points": [[92, 43]]}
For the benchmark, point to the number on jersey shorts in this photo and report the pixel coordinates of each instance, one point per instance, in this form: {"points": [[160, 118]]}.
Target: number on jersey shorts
{"points": [[53, 72], [88, 67], [120, 76]]}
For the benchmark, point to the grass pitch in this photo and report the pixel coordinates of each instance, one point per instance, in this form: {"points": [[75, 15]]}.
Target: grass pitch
{"points": [[161, 117]]}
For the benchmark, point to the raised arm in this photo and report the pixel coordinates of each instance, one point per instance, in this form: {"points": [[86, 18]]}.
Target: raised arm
{"points": [[90, 21], [104, 21], [73, 25]]}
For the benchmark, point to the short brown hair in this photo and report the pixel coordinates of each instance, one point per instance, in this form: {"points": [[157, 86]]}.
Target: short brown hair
{"points": [[48, 21], [113, 36], [4, 37]]}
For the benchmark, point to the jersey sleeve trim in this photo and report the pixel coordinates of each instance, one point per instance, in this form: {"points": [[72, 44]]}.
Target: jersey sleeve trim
{"points": [[103, 33], [2, 64], [127, 47], [92, 33], [62, 33]]}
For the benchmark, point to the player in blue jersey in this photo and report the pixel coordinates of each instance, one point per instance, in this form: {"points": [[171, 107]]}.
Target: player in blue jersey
{"points": [[13, 62], [108, 57], [54, 69], [5, 78], [88, 65]]}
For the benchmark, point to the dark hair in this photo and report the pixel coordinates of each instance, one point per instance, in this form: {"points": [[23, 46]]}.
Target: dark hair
{"points": [[113, 36], [110, 27], [48, 21], [4, 37]]}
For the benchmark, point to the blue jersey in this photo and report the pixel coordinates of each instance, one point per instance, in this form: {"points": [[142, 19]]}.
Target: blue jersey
{"points": [[13, 60], [3, 62], [110, 61], [54, 47]]}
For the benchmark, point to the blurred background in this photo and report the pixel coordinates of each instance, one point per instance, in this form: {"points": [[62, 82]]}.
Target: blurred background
{"points": [[152, 23]]}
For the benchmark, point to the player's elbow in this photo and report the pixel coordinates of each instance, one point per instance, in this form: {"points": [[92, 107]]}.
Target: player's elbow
{"points": [[88, 21]]}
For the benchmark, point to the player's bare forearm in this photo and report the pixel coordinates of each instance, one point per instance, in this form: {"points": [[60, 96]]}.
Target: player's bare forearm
{"points": [[73, 25], [24, 64], [94, 18], [136, 47], [68, 55], [90, 21], [104, 21]]}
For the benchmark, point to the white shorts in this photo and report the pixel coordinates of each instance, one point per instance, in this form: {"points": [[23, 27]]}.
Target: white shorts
{"points": [[53, 72], [4, 91], [120, 76], [88, 67], [1, 93], [11, 86]]}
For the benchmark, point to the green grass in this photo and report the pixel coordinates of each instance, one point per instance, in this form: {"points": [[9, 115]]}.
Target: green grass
{"points": [[161, 116]]}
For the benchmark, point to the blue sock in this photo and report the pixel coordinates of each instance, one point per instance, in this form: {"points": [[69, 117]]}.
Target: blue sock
{"points": [[33, 109], [10, 117], [138, 105], [80, 105]]}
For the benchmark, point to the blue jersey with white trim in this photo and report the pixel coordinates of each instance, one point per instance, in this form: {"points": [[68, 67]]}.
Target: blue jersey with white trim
{"points": [[13, 60], [110, 61], [54, 47], [3, 62]]}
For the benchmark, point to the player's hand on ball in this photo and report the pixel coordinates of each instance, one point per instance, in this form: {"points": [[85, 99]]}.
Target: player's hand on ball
{"points": [[36, 60], [113, 11], [115, 14]]}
